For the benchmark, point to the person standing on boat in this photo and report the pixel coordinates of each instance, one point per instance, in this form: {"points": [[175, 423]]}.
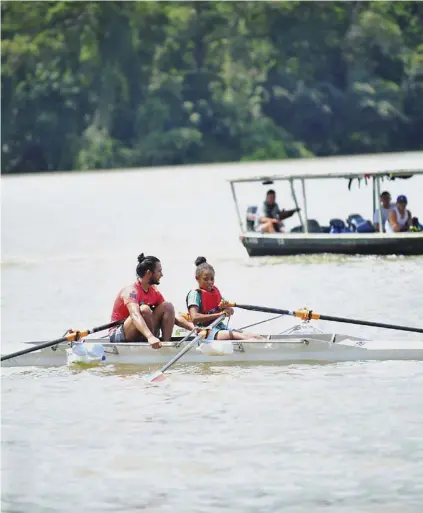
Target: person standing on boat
{"points": [[144, 308], [386, 207], [204, 305], [270, 216], [399, 220]]}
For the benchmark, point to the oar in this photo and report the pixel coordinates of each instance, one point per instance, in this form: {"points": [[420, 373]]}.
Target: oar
{"points": [[307, 315], [159, 375], [70, 337]]}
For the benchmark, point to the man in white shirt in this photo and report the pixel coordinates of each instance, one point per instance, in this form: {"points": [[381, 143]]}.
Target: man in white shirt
{"points": [[386, 207]]}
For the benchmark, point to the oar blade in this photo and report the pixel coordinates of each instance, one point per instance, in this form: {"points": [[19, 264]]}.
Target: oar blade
{"points": [[155, 377], [159, 375]]}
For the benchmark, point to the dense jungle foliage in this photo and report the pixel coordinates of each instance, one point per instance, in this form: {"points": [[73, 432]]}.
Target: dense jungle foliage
{"points": [[90, 85]]}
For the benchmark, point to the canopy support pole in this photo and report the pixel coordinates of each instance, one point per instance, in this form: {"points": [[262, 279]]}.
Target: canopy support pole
{"points": [[294, 197], [305, 204], [374, 196], [380, 207], [237, 207]]}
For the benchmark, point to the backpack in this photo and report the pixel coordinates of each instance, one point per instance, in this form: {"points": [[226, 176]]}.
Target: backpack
{"points": [[338, 226], [359, 225]]}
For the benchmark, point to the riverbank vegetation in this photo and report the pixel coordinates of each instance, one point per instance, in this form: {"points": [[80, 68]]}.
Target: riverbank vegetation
{"points": [[89, 85]]}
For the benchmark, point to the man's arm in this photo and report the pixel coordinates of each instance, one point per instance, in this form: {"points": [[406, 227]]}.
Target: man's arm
{"points": [[284, 214]]}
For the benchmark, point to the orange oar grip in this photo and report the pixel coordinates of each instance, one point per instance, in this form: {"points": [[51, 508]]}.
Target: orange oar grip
{"points": [[76, 335], [307, 315], [227, 304]]}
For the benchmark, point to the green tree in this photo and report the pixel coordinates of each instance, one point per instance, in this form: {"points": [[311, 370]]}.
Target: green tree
{"points": [[90, 85]]}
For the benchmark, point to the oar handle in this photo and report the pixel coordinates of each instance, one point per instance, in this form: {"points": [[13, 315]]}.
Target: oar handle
{"points": [[231, 304], [69, 337], [307, 315], [191, 344]]}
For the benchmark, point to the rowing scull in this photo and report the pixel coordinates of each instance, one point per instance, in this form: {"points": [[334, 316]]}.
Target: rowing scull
{"points": [[300, 344]]}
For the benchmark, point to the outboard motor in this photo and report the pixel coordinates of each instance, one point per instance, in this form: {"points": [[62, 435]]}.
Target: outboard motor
{"points": [[338, 226], [251, 218], [359, 225]]}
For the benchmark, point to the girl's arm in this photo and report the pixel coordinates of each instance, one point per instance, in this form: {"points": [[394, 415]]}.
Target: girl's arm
{"points": [[182, 322], [197, 317]]}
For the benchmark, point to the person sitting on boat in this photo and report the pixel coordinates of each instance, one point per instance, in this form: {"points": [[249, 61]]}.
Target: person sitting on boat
{"points": [[270, 216], [204, 305], [144, 308], [386, 207], [399, 220]]}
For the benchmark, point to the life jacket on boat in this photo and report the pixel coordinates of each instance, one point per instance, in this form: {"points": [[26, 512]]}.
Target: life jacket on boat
{"points": [[271, 211], [359, 225], [209, 304], [415, 225], [210, 301], [338, 226]]}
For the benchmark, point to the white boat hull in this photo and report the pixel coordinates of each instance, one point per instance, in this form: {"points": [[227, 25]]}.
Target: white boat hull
{"points": [[285, 348]]}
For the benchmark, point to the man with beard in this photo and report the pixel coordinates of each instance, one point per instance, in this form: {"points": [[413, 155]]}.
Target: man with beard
{"points": [[144, 308]]}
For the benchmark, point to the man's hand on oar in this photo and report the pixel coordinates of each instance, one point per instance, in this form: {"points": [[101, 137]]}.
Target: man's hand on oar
{"points": [[69, 337], [307, 315], [159, 375]]}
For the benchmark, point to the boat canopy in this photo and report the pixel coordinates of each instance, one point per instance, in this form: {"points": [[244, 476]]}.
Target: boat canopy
{"points": [[388, 165], [374, 167]]}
